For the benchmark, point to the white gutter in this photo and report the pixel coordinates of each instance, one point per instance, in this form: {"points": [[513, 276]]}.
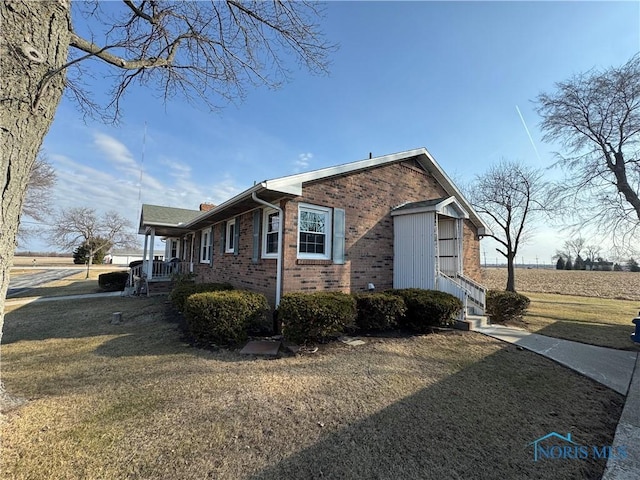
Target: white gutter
{"points": [[279, 257]]}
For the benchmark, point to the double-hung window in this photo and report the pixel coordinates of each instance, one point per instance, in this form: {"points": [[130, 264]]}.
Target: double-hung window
{"points": [[205, 245], [230, 236], [271, 222], [314, 232]]}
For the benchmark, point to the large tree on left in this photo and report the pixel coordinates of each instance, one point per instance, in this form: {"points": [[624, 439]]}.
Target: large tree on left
{"points": [[202, 51], [34, 40]]}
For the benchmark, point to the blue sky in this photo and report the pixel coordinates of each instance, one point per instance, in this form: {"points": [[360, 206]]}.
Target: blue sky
{"points": [[442, 75]]}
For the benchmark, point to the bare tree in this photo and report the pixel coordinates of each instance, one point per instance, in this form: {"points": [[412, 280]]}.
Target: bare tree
{"points": [[83, 226], [208, 51], [574, 246], [592, 252], [596, 116], [509, 196], [37, 202]]}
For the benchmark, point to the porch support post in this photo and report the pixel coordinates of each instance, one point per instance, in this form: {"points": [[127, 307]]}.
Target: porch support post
{"points": [[459, 246], [152, 241], [144, 252]]}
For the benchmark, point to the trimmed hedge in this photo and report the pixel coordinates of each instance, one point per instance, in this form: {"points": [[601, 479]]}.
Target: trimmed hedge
{"points": [[427, 309], [224, 317], [379, 311], [180, 292], [505, 306], [316, 317], [113, 281]]}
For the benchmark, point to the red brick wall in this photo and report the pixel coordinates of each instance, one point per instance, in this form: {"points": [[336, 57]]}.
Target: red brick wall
{"points": [[471, 252], [367, 198], [239, 270]]}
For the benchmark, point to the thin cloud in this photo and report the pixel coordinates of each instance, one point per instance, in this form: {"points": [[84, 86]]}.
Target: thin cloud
{"points": [[303, 162]]}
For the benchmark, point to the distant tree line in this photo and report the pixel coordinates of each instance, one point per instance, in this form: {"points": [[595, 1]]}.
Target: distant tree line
{"points": [[576, 254]]}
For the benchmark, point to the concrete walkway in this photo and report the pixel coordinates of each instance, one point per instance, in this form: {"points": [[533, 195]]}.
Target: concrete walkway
{"points": [[617, 369], [610, 367]]}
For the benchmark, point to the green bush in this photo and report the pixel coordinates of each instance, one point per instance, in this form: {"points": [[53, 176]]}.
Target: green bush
{"points": [[506, 306], [379, 311], [224, 317], [181, 291], [113, 281], [315, 317], [427, 309]]}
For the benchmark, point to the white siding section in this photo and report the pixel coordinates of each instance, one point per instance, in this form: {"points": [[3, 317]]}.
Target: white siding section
{"points": [[414, 251]]}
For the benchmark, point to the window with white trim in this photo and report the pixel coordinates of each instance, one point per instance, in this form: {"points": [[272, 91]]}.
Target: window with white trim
{"points": [[205, 245], [271, 223], [314, 232], [173, 249], [230, 236]]}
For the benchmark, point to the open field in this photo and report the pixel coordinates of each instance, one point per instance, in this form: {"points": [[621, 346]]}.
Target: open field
{"points": [[619, 285], [25, 261], [134, 401]]}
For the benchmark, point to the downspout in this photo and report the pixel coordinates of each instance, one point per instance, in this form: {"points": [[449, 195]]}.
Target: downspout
{"points": [[279, 257]]}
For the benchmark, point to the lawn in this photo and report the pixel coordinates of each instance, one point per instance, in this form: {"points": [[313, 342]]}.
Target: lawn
{"points": [[598, 321], [75, 284], [135, 401]]}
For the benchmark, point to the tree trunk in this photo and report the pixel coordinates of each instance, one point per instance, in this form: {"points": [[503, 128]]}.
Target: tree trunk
{"points": [[34, 41], [511, 274], [89, 262]]}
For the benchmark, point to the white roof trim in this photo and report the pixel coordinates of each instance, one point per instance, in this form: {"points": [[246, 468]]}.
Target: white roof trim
{"points": [[292, 184], [437, 207]]}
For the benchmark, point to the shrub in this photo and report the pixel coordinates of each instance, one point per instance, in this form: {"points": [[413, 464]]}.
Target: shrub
{"points": [[427, 309], [224, 317], [379, 311], [506, 306], [181, 291], [314, 317], [113, 281]]}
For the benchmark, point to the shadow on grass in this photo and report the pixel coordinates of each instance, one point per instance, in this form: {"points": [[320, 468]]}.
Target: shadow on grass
{"points": [[603, 335], [79, 287], [476, 424]]}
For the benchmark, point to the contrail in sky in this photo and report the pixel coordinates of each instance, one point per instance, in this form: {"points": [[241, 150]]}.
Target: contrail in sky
{"points": [[529, 134]]}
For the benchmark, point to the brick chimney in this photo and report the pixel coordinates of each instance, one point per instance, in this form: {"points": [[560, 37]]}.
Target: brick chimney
{"points": [[205, 207]]}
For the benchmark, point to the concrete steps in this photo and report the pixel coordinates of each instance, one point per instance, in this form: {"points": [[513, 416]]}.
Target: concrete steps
{"points": [[472, 322]]}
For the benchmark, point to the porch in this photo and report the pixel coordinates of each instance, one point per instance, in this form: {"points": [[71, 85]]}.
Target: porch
{"points": [[156, 276], [429, 254]]}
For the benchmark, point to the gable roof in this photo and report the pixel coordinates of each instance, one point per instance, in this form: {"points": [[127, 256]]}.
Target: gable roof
{"points": [[446, 206], [291, 186]]}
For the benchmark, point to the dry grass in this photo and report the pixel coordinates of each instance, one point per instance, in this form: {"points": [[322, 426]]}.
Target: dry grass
{"points": [[598, 321], [599, 314], [134, 401], [617, 285], [75, 284]]}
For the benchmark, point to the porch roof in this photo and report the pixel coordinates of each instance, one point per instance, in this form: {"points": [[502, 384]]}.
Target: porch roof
{"points": [[444, 206], [168, 221]]}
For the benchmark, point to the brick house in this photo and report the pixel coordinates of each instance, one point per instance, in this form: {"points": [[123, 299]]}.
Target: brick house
{"points": [[391, 221]]}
